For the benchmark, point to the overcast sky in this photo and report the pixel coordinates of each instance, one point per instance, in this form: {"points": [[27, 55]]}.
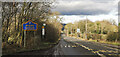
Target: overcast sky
{"points": [[75, 10]]}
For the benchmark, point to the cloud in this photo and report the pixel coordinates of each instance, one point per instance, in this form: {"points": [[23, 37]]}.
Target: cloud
{"points": [[86, 7], [93, 18], [119, 12]]}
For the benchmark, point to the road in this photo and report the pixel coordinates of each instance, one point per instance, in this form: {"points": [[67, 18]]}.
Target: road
{"points": [[73, 46]]}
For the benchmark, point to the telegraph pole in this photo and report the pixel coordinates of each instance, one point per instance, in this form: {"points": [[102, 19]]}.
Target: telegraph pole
{"points": [[86, 29]]}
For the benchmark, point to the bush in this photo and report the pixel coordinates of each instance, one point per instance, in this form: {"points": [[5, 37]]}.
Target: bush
{"points": [[113, 36], [103, 36], [96, 36], [52, 33], [89, 36]]}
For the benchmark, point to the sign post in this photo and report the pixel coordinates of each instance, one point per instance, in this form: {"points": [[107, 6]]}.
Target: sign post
{"points": [[78, 32], [29, 26], [24, 38]]}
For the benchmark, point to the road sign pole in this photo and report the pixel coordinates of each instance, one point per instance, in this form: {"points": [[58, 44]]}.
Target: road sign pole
{"points": [[24, 38], [29, 26], [34, 38], [34, 33]]}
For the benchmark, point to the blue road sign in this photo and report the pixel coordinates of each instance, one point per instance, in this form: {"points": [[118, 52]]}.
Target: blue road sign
{"points": [[63, 26], [30, 26]]}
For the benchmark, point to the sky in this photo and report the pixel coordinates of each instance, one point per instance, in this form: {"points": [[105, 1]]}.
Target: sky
{"points": [[94, 10]]}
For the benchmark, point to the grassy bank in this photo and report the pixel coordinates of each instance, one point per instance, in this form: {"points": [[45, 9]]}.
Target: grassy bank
{"points": [[107, 42], [11, 49], [100, 41]]}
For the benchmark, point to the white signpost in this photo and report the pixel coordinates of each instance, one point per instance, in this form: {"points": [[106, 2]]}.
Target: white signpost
{"points": [[78, 30], [43, 30]]}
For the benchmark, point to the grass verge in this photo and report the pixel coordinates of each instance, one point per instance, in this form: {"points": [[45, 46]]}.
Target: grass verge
{"points": [[113, 43], [13, 49]]}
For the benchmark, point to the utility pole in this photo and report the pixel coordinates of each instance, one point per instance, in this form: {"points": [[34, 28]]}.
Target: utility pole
{"points": [[86, 29]]}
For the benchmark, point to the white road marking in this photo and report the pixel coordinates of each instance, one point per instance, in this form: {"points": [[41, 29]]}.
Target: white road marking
{"points": [[68, 45], [61, 45], [101, 54], [65, 46]]}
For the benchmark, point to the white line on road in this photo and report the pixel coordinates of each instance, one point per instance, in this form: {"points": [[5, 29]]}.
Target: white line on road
{"points": [[68, 45], [101, 54], [65, 46]]}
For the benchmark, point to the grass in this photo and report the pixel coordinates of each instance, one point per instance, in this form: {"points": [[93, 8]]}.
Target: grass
{"points": [[13, 49], [93, 40], [113, 43]]}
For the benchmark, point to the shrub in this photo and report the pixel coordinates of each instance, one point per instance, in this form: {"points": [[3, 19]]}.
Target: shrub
{"points": [[96, 36], [103, 36], [89, 36], [113, 36], [52, 33]]}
